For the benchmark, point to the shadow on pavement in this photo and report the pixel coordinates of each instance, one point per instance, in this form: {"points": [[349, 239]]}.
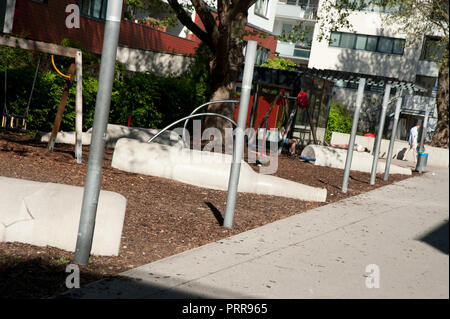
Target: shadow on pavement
{"points": [[438, 237], [131, 288]]}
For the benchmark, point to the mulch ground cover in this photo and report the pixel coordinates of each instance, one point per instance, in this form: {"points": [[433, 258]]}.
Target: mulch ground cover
{"points": [[163, 217]]}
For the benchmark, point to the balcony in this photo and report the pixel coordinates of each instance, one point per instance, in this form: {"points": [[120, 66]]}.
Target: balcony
{"points": [[298, 10], [293, 50]]}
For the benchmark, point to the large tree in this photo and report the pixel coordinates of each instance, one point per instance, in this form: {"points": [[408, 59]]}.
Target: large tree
{"points": [[415, 18], [222, 29]]}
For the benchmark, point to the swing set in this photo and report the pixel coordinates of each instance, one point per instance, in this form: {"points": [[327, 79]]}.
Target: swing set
{"points": [[18, 122], [11, 121], [286, 117]]}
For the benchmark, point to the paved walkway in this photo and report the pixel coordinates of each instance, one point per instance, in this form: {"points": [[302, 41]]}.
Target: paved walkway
{"points": [[402, 229]]}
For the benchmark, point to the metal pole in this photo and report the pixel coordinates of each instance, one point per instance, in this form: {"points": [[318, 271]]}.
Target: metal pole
{"points": [[351, 143], [424, 128], [376, 151], [94, 169], [79, 107], [239, 135], [393, 133], [251, 122]]}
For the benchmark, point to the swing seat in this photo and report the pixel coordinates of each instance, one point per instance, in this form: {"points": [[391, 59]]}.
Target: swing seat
{"points": [[14, 122]]}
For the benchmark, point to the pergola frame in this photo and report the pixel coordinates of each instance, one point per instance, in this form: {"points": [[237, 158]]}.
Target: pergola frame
{"points": [[60, 50]]}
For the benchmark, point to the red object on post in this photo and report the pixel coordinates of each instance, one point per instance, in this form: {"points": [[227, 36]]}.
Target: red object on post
{"points": [[369, 135], [302, 100]]}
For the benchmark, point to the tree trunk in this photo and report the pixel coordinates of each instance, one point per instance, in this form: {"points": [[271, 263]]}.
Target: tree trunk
{"points": [[225, 69], [441, 133]]}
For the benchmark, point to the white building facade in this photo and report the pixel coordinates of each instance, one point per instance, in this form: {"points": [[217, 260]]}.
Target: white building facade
{"points": [[369, 48]]}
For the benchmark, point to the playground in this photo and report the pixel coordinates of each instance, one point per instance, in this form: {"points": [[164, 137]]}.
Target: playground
{"points": [[163, 217], [157, 199]]}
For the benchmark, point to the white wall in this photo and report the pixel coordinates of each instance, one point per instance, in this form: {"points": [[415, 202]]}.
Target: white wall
{"points": [[158, 62], [265, 23]]}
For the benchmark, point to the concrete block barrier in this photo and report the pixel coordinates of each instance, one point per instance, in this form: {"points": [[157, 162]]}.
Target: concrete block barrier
{"points": [[204, 169], [44, 214]]}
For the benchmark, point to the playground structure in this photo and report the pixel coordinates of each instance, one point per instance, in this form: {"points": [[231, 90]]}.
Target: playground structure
{"points": [[304, 123], [75, 74]]}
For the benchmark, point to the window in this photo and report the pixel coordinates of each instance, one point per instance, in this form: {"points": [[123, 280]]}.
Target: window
{"points": [[301, 3], [399, 46], [41, 1], [261, 7], [367, 43], [347, 40], [301, 52], [286, 28], [432, 49], [334, 39], [262, 54], [371, 44], [361, 41], [385, 45], [94, 8]]}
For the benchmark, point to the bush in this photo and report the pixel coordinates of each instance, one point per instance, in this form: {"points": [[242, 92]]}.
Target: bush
{"points": [[279, 63], [153, 100], [338, 120]]}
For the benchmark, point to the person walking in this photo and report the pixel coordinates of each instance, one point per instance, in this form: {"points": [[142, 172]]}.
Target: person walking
{"points": [[412, 140]]}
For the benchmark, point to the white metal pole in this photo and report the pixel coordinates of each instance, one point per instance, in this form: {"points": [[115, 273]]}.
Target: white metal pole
{"points": [[351, 143], [238, 150], [376, 151], [79, 107], [96, 151], [398, 107]]}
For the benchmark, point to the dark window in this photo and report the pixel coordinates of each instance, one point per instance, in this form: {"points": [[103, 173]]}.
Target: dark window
{"points": [[40, 1], [261, 7], [399, 46], [94, 8], [371, 43], [385, 45], [432, 49]]}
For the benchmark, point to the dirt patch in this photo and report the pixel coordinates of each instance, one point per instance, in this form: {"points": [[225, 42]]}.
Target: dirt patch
{"points": [[163, 217]]}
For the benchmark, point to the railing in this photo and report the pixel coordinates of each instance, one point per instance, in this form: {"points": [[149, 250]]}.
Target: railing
{"points": [[307, 12], [292, 49]]}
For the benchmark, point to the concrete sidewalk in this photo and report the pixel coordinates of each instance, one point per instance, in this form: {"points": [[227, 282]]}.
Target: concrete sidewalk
{"points": [[402, 229]]}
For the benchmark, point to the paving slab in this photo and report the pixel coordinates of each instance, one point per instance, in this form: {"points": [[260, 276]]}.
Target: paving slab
{"points": [[391, 242]]}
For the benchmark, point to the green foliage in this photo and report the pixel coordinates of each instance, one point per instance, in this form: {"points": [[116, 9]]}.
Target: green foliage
{"points": [[153, 100], [279, 63], [338, 120]]}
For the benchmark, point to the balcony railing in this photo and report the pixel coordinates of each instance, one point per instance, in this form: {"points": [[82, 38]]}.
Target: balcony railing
{"points": [[306, 12], [297, 50]]}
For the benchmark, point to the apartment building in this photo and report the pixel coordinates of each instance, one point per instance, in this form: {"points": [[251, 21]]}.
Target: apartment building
{"points": [[370, 48]]}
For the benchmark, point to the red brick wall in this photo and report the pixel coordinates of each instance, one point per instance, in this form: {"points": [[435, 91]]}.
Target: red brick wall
{"points": [[47, 23]]}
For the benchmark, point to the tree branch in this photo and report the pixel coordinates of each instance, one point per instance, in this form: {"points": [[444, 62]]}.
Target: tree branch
{"points": [[186, 20], [240, 6], [205, 15]]}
